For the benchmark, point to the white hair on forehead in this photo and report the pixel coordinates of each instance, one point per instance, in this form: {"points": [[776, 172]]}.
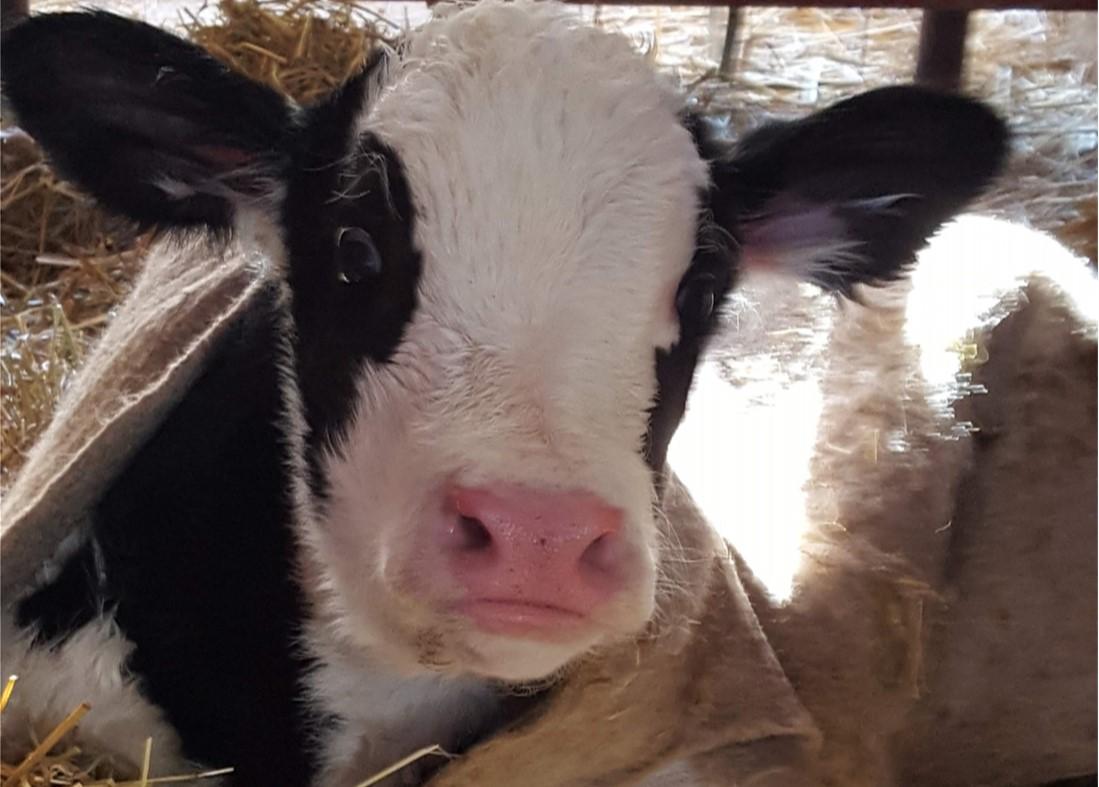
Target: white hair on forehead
{"points": [[546, 160], [474, 34], [556, 195]]}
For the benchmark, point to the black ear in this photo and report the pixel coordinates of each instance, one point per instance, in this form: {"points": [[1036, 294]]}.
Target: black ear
{"points": [[152, 126], [851, 193]]}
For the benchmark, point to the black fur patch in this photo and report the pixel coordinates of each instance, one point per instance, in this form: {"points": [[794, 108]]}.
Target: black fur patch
{"points": [[192, 549], [341, 326], [926, 153], [675, 367], [73, 599], [198, 564]]}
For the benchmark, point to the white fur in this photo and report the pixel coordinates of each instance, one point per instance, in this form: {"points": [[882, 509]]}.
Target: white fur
{"points": [[88, 667], [383, 716], [553, 236]]}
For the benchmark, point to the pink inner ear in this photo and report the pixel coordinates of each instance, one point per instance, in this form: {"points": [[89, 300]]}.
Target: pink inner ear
{"points": [[788, 236], [753, 258], [223, 156]]}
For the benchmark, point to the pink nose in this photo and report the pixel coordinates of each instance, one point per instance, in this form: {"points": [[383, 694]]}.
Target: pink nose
{"points": [[531, 559]]}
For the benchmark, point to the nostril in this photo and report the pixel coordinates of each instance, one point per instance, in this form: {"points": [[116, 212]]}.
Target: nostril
{"points": [[473, 535], [603, 554]]}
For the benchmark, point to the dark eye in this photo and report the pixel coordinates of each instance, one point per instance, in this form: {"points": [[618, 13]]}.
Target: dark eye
{"points": [[357, 257], [695, 300]]}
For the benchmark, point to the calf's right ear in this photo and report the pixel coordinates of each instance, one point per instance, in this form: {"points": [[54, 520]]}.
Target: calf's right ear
{"points": [[151, 125], [850, 194]]}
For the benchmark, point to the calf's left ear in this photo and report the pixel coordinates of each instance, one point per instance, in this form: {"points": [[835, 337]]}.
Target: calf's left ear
{"points": [[848, 195], [151, 125]]}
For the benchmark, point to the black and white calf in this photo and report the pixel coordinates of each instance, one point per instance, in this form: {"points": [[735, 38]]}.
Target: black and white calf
{"points": [[426, 464]]}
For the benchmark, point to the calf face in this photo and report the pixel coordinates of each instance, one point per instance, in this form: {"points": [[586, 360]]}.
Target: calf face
{"points": [[504, 249]]}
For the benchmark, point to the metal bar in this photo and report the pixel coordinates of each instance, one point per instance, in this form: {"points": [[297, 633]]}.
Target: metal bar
{"points": [[728, 49], [942, 48], [957, 5]]}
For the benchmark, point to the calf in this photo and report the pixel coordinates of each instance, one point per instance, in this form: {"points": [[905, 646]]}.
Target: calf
{"points": [[422, 470]]}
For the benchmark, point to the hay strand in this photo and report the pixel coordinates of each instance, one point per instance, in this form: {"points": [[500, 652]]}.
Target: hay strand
{"points": [[186, 777], [9, 687], [302, 49], [146, 759], [40, 751], [51, 765], [64, 266], [404, 762]]}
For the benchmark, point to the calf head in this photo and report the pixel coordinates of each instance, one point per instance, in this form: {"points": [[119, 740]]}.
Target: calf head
{"points": [[504, 246]]}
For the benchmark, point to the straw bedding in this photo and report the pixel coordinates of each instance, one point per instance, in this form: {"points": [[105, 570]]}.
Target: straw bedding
{"points": [[65, 265]]}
